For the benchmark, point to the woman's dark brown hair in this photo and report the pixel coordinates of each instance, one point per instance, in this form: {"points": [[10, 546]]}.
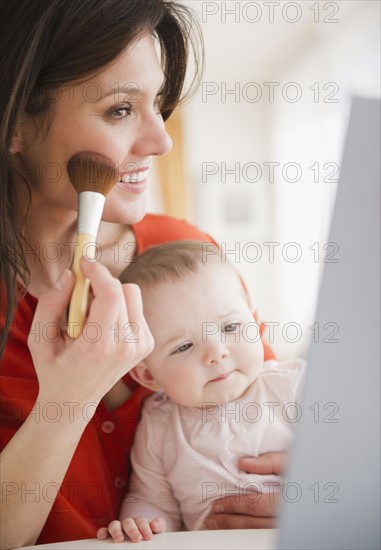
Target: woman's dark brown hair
{"points": [[46, 44]]}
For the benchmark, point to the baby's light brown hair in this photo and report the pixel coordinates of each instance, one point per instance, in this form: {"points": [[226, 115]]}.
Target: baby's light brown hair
{"points": [[173, 261]]}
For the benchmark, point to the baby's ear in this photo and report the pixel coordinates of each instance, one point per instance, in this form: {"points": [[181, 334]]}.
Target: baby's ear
{"points": [[142, 375]]}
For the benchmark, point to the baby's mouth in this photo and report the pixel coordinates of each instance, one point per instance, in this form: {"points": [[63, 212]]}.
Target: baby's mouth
{"points": [[221, 377]]}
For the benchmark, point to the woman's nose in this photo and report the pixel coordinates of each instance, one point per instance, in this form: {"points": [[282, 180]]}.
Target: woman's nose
{"points": [[152, 139]]}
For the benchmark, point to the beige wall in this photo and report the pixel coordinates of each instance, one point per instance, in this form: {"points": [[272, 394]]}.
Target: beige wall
{"points": [[330, 59]]}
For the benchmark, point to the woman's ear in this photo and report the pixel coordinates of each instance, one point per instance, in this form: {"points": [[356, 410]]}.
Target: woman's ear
{"points": [[16, 145], [25, 131], [142, 375]]}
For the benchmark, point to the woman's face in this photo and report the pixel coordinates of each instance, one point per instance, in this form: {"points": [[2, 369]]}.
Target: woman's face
{"points": [[116, 114]]}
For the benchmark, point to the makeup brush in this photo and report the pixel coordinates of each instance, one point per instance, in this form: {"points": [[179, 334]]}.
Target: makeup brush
{"points": [[93, 176]]}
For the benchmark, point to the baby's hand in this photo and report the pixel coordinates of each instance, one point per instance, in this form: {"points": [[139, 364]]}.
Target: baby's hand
{"points": [[136, 529]]}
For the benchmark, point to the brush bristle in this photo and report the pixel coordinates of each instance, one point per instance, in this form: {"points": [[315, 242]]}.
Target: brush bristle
{"points": [[92, 172]]}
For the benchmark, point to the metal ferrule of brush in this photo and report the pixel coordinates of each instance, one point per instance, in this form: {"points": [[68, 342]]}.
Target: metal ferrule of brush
{"points": [[90, 208]]}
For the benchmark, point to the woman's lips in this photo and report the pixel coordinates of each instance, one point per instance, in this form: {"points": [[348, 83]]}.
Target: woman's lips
{"points": [[134, 182]]}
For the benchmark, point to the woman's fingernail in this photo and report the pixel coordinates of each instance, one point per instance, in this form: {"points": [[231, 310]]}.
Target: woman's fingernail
{"points": [[63, 279], [250, 459]]}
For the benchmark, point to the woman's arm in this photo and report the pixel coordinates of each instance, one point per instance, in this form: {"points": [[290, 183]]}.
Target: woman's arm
{"points": [[71, 375], [33, 466], [261, 513]]}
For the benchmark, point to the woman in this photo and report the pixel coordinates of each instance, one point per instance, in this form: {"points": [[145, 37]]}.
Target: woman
{"points": [[81, 76]]}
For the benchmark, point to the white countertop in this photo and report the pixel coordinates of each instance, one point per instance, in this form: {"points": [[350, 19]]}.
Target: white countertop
{"points": [[235, 539]]}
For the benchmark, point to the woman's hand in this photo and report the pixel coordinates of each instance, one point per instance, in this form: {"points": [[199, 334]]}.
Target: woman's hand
{"points": [[114, 339], [136, 529], [241, 512], [73, 376]]}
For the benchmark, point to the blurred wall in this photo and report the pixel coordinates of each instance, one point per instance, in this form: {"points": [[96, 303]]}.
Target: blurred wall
{"points": [[262, 143]]}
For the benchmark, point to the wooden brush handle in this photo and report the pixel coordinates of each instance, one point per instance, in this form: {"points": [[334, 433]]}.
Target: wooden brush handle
{"points": [[80, 296]]}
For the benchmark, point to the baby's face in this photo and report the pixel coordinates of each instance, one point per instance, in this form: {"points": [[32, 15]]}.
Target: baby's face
{"points": [[207, 344]]}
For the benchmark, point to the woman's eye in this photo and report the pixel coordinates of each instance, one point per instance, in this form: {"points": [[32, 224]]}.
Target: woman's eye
{"points": [[182, 348], [121, 111], [231, 327]]}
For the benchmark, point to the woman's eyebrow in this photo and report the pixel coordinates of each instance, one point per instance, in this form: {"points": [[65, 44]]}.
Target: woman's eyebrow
{"points": [[131, 88]]}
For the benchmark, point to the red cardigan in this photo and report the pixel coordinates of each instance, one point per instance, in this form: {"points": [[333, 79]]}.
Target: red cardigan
{"points": [[97, 477]]}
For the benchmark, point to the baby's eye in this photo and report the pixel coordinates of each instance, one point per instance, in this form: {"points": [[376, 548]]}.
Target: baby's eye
{"points": [[182, 348], [120, 111], [231, 327]]}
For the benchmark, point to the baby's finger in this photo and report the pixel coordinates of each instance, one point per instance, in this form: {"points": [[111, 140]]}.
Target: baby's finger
{"points": [[158, 525], [102, 533], [144, 528], [115, 530], [130, 528]]}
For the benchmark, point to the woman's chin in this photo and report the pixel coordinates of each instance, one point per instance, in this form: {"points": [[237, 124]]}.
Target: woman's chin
{"points": [[125, 214]]}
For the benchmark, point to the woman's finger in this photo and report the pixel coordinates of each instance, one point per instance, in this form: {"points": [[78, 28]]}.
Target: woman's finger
{"points": [[135, 329], [233, 521], [51, 307], [108, 296], [52, 304], [258, 505], [266, 464], [133, 297]]}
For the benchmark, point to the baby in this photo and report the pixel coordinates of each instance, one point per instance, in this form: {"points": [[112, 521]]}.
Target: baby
{"points": [[215, 398]]}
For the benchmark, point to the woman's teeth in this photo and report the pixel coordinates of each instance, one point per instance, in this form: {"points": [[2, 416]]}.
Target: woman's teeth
{"points": [[135, 177]]}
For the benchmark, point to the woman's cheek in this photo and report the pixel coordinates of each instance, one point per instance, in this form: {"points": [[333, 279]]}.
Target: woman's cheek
{"points": [[110, 147], [109, 139]]}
